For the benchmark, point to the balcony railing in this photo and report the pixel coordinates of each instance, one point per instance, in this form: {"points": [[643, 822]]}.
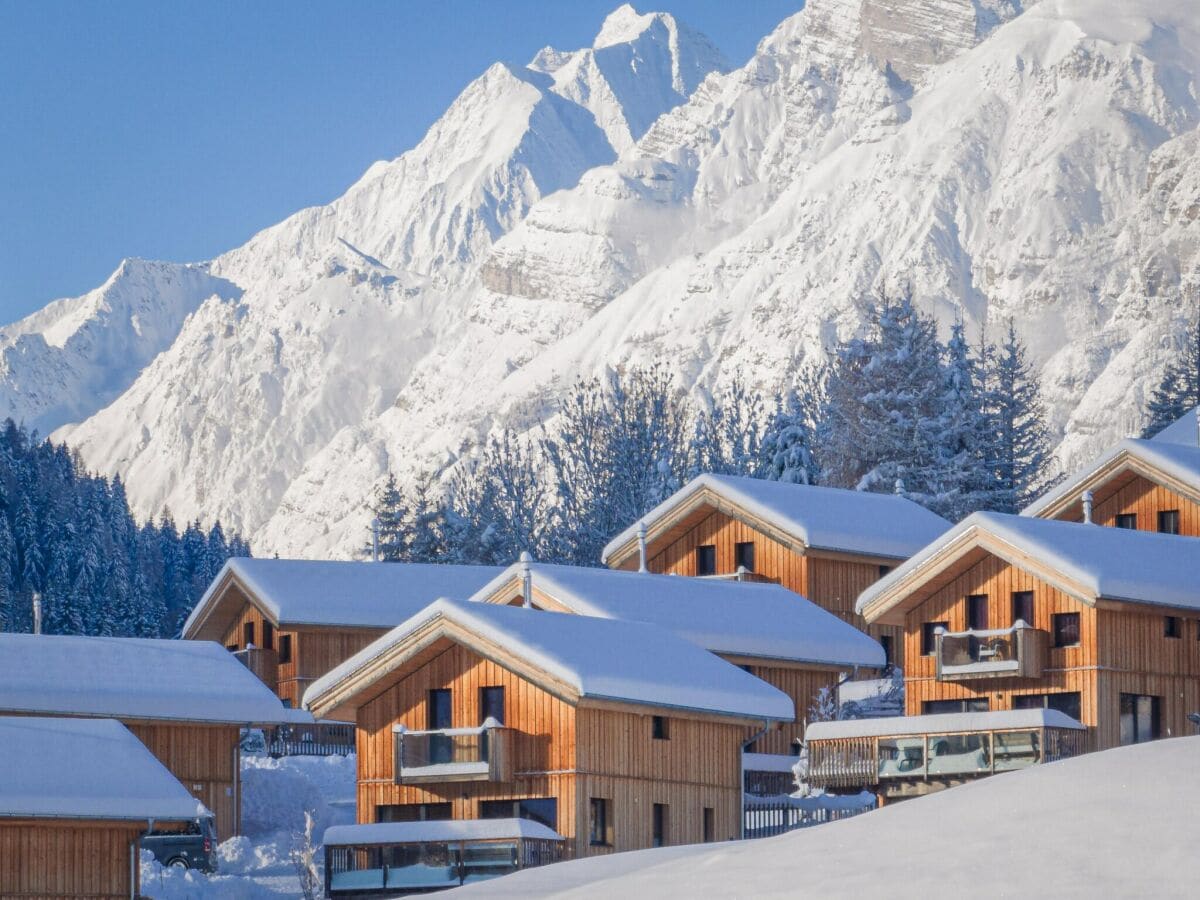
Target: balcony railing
{"points": [[453, 754], [262, 662], [1016, 652]]}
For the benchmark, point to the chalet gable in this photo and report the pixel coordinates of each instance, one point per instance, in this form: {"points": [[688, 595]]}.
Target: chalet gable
{"points": [[1175, 467], [581, 660], [802, 518], [1095, 565]]}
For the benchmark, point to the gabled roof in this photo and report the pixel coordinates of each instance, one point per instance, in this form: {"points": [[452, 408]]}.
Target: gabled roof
{"points": [[1089, 562], [132, 678], [300, 592], [579, 658], [941, 723], [816, 518], [1174, 466], [1184, 430], [737, 618], [85, 769]]}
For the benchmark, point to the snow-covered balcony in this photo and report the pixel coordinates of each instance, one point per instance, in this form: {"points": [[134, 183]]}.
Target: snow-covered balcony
{"points": [[453, 754], [1016, 652]]}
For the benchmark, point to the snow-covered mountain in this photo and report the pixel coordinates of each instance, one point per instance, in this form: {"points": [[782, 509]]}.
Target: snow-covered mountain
{"points": [[637, 201]]}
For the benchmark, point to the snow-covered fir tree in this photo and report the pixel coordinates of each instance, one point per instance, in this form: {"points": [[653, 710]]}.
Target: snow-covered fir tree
{"points": [[727, 438], [1024, 461], [1178, 392]]}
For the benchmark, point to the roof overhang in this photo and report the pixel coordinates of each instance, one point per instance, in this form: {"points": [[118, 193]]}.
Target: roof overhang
{"points": [[907, 587], [1104, 478]]}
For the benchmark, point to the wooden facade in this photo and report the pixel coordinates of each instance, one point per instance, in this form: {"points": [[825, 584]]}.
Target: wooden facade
{"points": [[560, 751], [832, 581], [50, 859], [1130, 494], [289, 660], [1122, 649]]}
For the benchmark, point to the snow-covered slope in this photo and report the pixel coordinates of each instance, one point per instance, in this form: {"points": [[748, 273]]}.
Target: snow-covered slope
{"points": [[1030, 163], [75, 356], [1120, 823]]}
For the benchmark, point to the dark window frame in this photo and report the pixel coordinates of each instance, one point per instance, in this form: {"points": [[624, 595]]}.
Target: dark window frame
{"points": [[977, 604], [1069, 703], [709, 825], [600, 825], [523, 808], [1135, 718], [434, 721], [1061, 629], [929, 636], [285, 648], [247, 634], [706, 559], [660, 728], [268, 635], [659, 825], [739, 555], [487, 694], [414, 812], [1172, 627], [1127, 521], [967, 704], [889, 650], [1168, 521], [1022, 603]]}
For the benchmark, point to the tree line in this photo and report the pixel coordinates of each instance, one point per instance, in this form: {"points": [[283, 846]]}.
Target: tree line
{"points": [[70, 537], [954, 427]]}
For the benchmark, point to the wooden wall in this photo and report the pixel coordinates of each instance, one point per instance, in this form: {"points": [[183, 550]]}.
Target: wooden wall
{"points": [[561, 752], [51, 859], [802, 685], [833, 583], [205, 759], [1144, 498]]}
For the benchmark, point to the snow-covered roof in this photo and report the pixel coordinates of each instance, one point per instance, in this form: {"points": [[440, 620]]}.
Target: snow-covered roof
{"points": [[84, 769], [437, 830], [739, 618], [821, 518], [131, 678], [597, 659], [337, 593], [1178, 464], [941, 723], [1184, 430], [1088, 561]]}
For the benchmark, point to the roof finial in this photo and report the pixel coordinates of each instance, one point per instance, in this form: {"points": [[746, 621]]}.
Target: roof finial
{"points": [[526, 563], [1088, 499], [641, 536]]}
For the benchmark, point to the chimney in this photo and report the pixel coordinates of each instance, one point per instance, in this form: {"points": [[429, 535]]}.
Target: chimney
{"points": [[898, 488], [37, 613], [375, 540], [526, 579], [1087, 507], [641, 534]]}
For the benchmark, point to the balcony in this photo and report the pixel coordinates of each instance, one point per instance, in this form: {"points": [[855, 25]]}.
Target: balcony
{"points": [[1016, 652], [263, 663], [453, 754]]}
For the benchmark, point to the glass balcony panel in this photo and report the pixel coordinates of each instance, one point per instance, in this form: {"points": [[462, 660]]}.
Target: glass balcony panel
{"points": [[439, 749], [1016, 750], [959, 754], [901, 757]]}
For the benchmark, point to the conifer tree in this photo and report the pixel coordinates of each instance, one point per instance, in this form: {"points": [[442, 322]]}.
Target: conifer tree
{"points": [[1024, 462], [1178, 392]]}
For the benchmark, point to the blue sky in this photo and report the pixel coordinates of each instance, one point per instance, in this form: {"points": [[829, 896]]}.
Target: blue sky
{"points": [[175, 130]]}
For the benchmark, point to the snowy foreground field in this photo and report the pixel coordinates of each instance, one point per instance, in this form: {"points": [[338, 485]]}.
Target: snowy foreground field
{"points": [[1123, 823]]}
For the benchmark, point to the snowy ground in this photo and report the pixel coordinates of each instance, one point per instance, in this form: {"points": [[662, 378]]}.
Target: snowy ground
{"points": [[1122, 823], [257, 864]]}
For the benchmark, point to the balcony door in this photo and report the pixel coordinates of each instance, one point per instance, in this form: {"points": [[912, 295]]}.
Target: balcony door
{"points": [[438, 716], [1140, 715]]}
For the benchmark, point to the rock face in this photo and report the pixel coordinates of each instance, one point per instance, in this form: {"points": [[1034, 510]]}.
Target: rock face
{"points": [[636, 202]]}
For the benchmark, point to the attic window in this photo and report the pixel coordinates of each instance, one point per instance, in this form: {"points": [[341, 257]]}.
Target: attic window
{"points": [[706, 559], [1066, 629], [1172, 627], [660, 728], [285, 648], [268, 635], [1168, 521], [247, 634], [743, 556], [1127, 520]]}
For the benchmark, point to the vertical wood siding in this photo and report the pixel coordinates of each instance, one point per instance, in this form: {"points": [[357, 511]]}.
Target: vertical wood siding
{"points": [[802, 685], [61, 858], [1144, 498]]}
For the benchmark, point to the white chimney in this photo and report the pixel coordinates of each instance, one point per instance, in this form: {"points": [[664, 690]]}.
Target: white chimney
{"points": [[898, 487], [526, 579], [37, 613], [641, 535], [1087, 507]]}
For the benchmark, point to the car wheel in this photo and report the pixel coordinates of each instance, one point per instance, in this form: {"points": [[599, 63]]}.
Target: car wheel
{"points": [[178, 863]]}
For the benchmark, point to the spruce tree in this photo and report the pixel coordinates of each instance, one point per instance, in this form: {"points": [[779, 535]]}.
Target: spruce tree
{"points": [[1024, 461], [1178, 392], [391, 518], [787, 446]]}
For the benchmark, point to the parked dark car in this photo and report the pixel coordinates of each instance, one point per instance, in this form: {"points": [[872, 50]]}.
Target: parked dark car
{"points": [[192, 847]]}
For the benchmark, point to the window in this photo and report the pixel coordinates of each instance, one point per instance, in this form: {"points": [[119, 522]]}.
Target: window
{"points": [[247, 634], [743, 556], [413, 812], [1126, 520], [535, 809], [928, 638], [1022, 607], [660, 825], [710, 829], [885, 640], [287, 702], [1139, 718], [1066, 702], [491, 704], [285, 648], [883, 570], [1066, 629], [977, 612], [268, 635], [600, 830], [659, 728], [972, 704], [232, 648], [1168, 521], [437, 711], [706, 560], [1172, 627]]}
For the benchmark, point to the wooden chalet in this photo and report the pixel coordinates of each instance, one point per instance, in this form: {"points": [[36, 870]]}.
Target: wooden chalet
{"points": [[186, 701], [75, 797], [825, 544], [1142, 485], [1008, 613], [616, 735], [767, 630], [292, 620]]}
